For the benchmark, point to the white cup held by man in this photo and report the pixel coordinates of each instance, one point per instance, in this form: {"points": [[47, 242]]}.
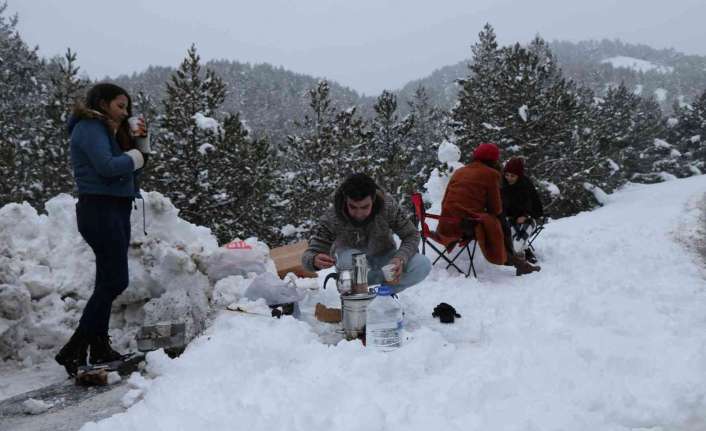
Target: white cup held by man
{"points": [[388, 271]]}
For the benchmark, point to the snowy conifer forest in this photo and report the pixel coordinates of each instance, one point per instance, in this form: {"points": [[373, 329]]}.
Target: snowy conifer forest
{"points": [[255, 150]]}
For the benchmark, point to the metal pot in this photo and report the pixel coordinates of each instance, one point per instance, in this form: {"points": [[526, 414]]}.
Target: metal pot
{"points": [[167, 335], [353, 309]]}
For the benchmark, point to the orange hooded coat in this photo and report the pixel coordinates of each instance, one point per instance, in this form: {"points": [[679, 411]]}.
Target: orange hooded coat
{"points": [[475, 190]]}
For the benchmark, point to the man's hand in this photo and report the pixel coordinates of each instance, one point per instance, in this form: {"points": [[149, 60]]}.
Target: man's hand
{"points": [[399, 265], [323, 261], [521, 220]]}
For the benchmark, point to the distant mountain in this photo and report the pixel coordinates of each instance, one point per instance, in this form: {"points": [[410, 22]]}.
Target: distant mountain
{"points": [[666, 74], [270, 99]]}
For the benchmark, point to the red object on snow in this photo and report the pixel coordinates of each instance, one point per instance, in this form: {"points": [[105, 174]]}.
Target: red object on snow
{"points": [[238, 245]]}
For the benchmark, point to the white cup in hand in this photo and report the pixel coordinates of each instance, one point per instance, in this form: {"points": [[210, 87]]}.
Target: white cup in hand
{"points": [[135, 122], [388, 271]]}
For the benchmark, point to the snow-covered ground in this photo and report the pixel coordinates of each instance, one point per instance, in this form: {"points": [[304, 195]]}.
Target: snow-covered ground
{"points": [[610, 335]]}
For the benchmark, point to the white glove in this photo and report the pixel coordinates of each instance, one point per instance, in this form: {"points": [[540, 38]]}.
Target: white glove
{"points": [[143, 144], [137, 158]]}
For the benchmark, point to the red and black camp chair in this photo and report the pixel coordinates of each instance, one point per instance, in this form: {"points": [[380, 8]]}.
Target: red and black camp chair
{"points": [[429, 237]]}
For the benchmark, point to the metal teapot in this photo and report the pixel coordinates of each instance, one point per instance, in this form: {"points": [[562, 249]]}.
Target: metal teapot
{"points": [[360, 273], [351, 279], [344, 280]]}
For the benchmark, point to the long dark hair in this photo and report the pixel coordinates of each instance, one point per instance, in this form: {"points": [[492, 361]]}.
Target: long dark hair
{"points": [[105, 92]]}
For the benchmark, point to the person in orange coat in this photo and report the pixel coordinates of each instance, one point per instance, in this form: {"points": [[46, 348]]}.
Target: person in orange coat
{"points": [[474, 191]]}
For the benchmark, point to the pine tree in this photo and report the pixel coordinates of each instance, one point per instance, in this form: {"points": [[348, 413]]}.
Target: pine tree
{"points": [[210, 169], [430, 128], [624, 129], [474, 114], [517, 98], [22, 104], [689, 135], [390, 147], [188, 134], [538, 107], [245, 189], [569, 172], [330, 146], [66, 89]]}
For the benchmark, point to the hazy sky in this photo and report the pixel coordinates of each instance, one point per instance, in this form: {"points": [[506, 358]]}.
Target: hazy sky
{"points": [[368, 45]]}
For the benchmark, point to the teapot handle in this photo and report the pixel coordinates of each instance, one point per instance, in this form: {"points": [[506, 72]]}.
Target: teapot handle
{"points": [[333, 275]]}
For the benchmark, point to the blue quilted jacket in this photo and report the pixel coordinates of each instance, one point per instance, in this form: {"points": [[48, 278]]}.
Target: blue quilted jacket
{"points": [[100, 166]]}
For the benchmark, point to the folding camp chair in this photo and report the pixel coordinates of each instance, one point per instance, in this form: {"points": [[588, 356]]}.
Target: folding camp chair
{"points": [[429, 237], [535, 234]]}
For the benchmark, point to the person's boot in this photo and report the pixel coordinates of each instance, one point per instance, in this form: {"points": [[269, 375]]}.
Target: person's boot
{"points": [[73, 354], [529, 256], [101, 352], [522, 267]]}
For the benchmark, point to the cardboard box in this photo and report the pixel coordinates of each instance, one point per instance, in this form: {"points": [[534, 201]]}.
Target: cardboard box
{"points": [[288, 258]]}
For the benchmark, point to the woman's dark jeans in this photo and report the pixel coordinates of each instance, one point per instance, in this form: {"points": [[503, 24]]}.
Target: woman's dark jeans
{"points": [[104, 222]]}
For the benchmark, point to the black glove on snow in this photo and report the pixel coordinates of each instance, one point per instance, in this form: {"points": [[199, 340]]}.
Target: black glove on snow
{"points": [[445, 312]]}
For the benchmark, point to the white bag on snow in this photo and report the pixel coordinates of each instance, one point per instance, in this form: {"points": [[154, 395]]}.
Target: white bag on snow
{"points": [[273, 290], [239, 258]]}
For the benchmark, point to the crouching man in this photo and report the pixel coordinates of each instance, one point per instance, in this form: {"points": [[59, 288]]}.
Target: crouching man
{"points": [[363, 219]]}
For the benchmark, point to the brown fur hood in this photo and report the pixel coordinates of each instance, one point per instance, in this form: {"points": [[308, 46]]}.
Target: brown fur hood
{"points": [[80, 112], [122, 135]]}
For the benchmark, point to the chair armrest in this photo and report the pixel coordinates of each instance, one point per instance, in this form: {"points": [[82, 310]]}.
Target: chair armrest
{"points": [[447, 219]]}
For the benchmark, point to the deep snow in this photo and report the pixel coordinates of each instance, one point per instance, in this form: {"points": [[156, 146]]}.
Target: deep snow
{"points": [[610, 335], [177, 273]]}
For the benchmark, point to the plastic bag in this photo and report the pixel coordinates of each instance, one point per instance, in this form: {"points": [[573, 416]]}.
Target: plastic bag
{"points": [[239, 258], [273, 290]]}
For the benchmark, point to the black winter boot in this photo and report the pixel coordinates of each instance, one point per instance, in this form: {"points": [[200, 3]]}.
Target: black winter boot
{"points": [[73, 354], [101, 352], [522, 266], [529, 256]]}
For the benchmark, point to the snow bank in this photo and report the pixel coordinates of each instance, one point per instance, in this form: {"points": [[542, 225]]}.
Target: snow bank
{"points": [[47, 273]]}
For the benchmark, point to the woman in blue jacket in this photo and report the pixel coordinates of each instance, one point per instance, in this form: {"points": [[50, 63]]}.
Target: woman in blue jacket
{"points": [[106, 162]]}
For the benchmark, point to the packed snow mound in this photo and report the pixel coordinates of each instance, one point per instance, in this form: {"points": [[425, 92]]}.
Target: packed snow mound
{"points": [[610, 335], [47, 273]]}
